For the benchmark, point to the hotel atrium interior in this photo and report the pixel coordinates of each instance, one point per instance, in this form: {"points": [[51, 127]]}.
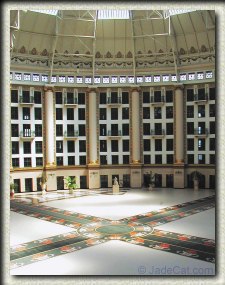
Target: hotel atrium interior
{"points": [[112, 149]]}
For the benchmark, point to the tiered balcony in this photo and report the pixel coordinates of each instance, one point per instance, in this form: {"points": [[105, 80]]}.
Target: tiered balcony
{"points": [[114, 134], [71, 135], [201, 98], [114, 101], [201, 132], [27, 134], [157, 101], [158, 133], [26, 101], [70, 101]]}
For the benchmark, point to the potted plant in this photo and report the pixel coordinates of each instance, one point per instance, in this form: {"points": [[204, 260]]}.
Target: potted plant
{"points": [[151, 181], [43, 182], [12, 189], [71, 183]]}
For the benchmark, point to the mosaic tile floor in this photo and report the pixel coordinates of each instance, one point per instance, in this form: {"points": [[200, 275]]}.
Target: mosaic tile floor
{"points": [[89, 230]]}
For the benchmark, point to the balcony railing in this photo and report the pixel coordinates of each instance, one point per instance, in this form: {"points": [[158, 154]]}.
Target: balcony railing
{"points": [[155, 100], [29, 100], [71, 134], [27, 134], [70, 101], [157, 133], [201, 98], [201, 132], [114, 133], [114, 101]]}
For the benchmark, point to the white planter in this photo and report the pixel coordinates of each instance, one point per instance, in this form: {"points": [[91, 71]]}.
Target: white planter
{"points": [[196, 183], [71, 191]]}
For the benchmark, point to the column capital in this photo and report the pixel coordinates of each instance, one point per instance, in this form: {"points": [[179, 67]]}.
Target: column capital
{"points": [[178, 86], [49, 87], [92, 89], [135, 88]]}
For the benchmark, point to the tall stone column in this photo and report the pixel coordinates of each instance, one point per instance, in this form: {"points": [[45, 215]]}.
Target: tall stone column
{"points": [[179, 137], [93, 165], [135, 126], [93, 159], [49, 126], [136, 173]]}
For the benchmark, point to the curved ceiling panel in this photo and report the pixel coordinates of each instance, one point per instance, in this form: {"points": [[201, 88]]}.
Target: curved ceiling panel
{"points": [[145, 35]]}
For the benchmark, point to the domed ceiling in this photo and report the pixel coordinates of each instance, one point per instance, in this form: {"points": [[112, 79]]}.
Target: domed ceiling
{"points": [[145, 40]]}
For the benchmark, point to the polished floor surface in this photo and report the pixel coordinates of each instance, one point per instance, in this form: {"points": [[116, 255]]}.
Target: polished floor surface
{"points": [[138, 233]]}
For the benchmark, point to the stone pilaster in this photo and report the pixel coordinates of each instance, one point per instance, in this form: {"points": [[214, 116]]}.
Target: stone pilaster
{"points": [[179, 172], [49, 127]]}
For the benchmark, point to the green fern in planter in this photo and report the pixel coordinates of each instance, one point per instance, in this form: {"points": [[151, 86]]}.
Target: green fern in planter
{"points": [[71, 183]]}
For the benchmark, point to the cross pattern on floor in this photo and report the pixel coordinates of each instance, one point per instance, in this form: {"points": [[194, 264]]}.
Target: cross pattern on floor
{"points": [[89, 231]]}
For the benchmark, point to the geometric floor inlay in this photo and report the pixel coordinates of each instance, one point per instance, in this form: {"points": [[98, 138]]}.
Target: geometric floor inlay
{"points": [[90, 230]]}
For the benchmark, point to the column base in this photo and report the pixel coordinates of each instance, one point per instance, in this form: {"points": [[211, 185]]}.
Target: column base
{"points": [[93, 176], [136, 175], [178, 176]]}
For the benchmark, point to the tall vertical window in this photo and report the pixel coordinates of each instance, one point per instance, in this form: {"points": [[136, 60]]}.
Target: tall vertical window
{"points": [[38, 147], [59, 113], [37, 114], [59, 130], [125, 113], [169, 112], [146, 97], [14, 113], [146, 113], [58, 98], [190, 95], [81, 98], [212, 93], [14, 130], [126, 145], [147, 145], [158, 112], [169, 96], [81, 114], [102, 98], [70, 113], [190, 111], [26, 113], [158, 145], [82, 146], [201, 111], [114, 114], [38, 130], [27, 147], [125, 97], [59, 146], [169, 128], [103, 114], [15, 147], [125, 129], [114, 146], [70, 146], [14, 96], [103, 145], [37, 97]]}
